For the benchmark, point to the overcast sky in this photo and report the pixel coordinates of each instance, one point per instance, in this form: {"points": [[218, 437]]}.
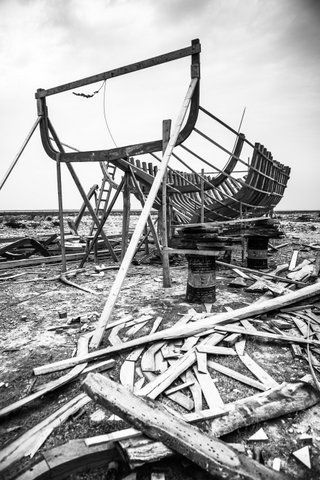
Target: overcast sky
{"points": [[260, 54]]}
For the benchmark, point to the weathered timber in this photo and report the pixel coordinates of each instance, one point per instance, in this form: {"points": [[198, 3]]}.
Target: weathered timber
{"points": [[209, 453], [276, 402], [199, 327]]}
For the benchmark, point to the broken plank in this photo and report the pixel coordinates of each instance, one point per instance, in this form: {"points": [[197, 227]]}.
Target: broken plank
{"points": [[201, 361], [258, 371], [182, 386], [236, 375], [127, 374], [209, 453], [293, 260], [156, 325], [209, 389], [212, 350], [195, 389], [177, 397], [148, 358]]}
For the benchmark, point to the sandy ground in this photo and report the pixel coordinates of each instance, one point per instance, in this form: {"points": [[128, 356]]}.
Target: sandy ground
{"points": [[29, 309]]}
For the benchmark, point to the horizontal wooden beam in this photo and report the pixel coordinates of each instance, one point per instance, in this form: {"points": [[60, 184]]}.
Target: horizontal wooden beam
{"points": [[116, 72]]}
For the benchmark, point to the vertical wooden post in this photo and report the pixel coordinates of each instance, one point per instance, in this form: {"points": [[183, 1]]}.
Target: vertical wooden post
{"points": [[126, 214], [166, 127], [202, 195], [62, 240], [146, 243]]}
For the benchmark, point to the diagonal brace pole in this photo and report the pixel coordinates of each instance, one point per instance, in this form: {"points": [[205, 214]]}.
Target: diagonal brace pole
{"points": [[116, 287]]}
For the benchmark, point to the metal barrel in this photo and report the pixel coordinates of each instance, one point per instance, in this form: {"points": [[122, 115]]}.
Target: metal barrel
{"points": [[257, 252], [201, 284]]}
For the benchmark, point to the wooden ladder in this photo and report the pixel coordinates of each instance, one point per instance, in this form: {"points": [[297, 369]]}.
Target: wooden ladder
{"points": [[108, 170]]}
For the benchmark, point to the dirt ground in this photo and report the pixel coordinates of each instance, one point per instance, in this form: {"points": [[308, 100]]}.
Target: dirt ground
{"points": [[29, 308]]}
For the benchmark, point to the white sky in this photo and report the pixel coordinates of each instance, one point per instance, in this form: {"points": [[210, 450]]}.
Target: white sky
{"points": [[264, 55]]}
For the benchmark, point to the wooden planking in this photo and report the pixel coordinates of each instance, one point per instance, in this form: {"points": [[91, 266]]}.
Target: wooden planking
{"points": [[177, 397], [213, 455]]}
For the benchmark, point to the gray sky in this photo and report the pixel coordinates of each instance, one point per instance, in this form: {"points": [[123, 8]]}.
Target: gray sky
{"points": [[262, 54]]}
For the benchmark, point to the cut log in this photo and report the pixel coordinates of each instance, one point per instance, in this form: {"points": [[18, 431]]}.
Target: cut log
{"points": [[276, 402], [198, 327], [209, 453]]}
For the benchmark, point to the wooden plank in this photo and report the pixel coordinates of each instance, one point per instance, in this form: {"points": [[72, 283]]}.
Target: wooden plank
{"points": [[209, 390], [156, 325], [293, 260], [258, 371], [201, 361], [122, 272], [256, 272], [240, 346], [195, 389], [199, 327], [127, 374], [133, 67], [135, 354], [271, 336], [148, 358], [189, 343], [211, 454], [182, 386], [216, 350], [236, 375], [177, 397]]}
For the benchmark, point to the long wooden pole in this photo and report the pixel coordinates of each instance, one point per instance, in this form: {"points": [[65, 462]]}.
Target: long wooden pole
{"points": [[15, 161], [166, 127], [115, 290], [60, 203]]}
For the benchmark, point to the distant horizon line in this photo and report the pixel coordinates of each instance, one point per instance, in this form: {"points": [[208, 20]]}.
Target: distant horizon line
{"points": [[116, 211]]}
